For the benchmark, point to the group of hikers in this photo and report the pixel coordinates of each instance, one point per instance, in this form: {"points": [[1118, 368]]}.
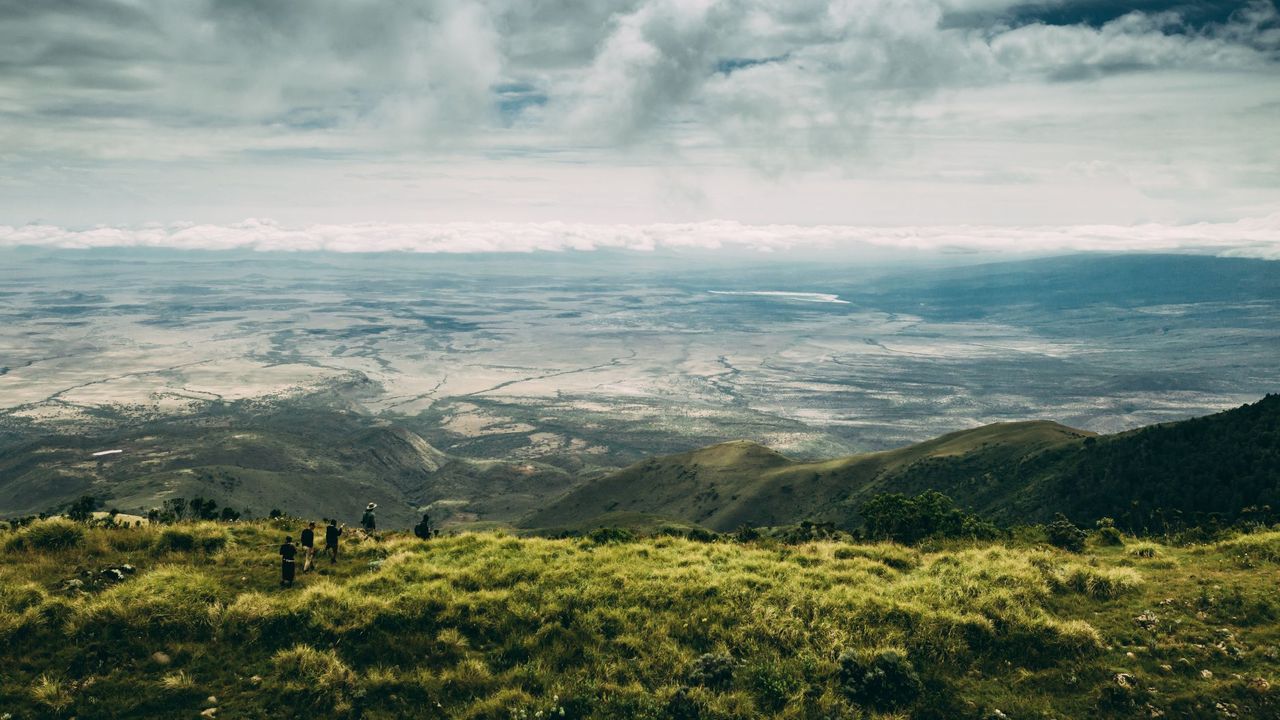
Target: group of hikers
{"points": [[332, 531]]}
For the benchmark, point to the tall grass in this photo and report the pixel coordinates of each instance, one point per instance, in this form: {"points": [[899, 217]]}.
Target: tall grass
{"points": [[483, 625], [49, 535], [1253, 549]]}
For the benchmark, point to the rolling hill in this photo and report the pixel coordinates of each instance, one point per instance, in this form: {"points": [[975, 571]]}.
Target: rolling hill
{"points": [[313, 462], [1183, 472]]}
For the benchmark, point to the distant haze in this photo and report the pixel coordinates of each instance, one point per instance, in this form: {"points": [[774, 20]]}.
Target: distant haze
{"points": [[1254, 237]]}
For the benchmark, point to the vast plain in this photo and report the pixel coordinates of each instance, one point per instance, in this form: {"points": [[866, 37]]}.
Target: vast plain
{"points": [[259, 378]]}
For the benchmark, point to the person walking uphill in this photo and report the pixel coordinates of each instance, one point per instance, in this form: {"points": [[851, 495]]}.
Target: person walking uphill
{"points": [[368, 521], [308, 547], [287, 553], [331, 534]]}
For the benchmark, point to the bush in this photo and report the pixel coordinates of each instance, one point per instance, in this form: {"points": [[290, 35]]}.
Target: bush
{"points": [[1106, 533], [51, 534], [189, 538], [1062, 533], [908, 520], [774, 684], [712, 670], [605, 535], [701, 535], [81, 510], [683, 705], [883, 680]]}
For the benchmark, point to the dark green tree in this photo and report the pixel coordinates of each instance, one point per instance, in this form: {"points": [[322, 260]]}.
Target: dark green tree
{"points": [[1064, 534], [82, 509]]}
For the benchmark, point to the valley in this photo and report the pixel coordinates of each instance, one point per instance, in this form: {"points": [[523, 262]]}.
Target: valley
{"points": [[486, 387]]}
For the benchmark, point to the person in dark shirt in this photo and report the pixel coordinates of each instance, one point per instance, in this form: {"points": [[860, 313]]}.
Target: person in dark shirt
{"points": [[369, 522], [308, 547], [423, 529], [331, 534], [288, 551]]}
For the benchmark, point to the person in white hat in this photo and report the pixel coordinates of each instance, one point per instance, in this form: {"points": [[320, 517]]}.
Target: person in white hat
{"points": [[369, 522]]}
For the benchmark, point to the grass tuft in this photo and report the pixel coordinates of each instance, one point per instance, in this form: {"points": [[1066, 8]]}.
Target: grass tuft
{"points": [[51, 535], [51, 693]]}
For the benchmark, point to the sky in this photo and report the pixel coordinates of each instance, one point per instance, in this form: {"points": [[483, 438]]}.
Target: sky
{"points": [[385, 122]]}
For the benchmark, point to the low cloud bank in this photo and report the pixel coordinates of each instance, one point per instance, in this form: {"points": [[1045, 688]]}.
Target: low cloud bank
{"points": [[1252, 237]]}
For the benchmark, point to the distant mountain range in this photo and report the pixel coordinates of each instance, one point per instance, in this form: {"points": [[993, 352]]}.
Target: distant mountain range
{"points": [[1181, 473]]}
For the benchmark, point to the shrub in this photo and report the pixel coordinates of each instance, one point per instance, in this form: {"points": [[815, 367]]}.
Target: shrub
{"points": [[81, 510], [701, 535], [712, 670], [52, 534], [883, 680], [1106, 533], [1064, 534], [683, 705], [604, 535], [809, 531], [774, 684], [189, 538], [904, 519]]}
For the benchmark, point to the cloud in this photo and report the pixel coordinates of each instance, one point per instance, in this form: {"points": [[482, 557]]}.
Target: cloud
{"points": [[224, 77], [117, 97], [1254, 237]]}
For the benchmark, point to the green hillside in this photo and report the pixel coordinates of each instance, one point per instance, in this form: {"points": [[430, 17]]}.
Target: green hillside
{"points": [[1014, 472], [316, 461], [489, 626]]}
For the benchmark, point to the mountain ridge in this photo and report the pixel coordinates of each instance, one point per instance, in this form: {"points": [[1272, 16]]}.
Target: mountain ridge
{"points": [[1013, 472]]}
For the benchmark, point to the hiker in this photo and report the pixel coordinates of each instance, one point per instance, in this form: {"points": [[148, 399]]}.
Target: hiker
{"points": [[331, 534], [287, 553], [369, 522], [423, 529], [308, 547]]}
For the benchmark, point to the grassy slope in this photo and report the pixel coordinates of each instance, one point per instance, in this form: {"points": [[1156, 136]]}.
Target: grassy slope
{"points": [[484, 625], [726, 485], [1012, 472], [315, 462]]}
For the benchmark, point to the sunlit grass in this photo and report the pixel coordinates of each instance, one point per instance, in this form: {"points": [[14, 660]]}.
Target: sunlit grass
{"points": [[486, 625]]}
